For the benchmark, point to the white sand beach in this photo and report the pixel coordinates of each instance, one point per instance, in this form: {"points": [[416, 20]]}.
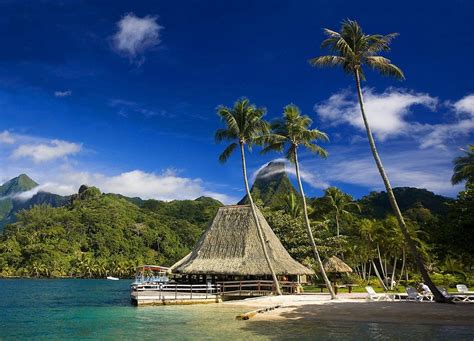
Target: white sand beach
{"points": [[355, 307]]}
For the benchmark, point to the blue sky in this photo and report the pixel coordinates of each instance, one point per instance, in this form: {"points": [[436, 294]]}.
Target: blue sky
{"points": [[122, 95]]}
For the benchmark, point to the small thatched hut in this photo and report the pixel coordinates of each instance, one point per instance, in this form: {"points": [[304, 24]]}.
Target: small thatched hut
{"points": [[230, 247], [336, 265]]}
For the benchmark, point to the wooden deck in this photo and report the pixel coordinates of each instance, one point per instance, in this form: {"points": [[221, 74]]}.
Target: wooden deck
{"points": [[173, 293]]}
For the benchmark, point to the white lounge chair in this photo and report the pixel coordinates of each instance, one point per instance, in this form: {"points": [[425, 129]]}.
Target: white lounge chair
{"points": [[414, 295], [373, 296], [462, 289], [464, 294]]}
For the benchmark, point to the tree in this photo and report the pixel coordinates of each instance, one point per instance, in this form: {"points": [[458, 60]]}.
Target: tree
{"points": [[339, 202], [464, 167], [292, 132], [244, 126], [355, 49]]}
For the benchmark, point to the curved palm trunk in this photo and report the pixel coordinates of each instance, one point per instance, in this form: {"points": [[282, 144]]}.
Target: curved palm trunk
{"points": [[310, 233], [257, 222], [393, 201]]}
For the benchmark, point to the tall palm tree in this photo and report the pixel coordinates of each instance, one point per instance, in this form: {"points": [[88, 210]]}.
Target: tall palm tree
{"points": [[464, 167], [354, 49], [339, 202], [292, 132], [244, 126]]}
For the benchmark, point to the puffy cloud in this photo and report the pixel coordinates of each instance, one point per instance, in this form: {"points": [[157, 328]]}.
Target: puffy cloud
{"points": [[7, 138], [46, 151], [63, 93], [438, 134], [388, 115], [386, 111], [137, 183], [135, 35], [465, 105], [422, 168]]}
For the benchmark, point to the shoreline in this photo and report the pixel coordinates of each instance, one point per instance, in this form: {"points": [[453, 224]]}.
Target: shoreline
{"points": [[311, 308]]}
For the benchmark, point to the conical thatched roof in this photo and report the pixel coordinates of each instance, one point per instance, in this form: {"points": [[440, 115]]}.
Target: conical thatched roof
{"points": [[230, 246], [334, 264]]}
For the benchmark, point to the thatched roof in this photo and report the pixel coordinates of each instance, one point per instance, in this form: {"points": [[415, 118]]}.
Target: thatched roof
{"points": [[230, 246], [334, 264]]}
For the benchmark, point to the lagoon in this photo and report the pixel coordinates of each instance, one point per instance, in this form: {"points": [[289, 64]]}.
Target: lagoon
{"points": [[100, 309]]}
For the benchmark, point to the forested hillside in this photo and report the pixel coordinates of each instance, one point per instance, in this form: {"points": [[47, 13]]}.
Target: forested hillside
{"points": [[101, 234]]}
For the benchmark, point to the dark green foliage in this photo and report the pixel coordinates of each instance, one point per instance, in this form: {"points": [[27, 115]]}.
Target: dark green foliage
{"points": [[100, 234], [376, 204], [272, 186]]}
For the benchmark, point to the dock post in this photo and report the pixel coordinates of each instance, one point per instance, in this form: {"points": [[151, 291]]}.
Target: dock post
{"points": [[191, 292], [176, 291]]}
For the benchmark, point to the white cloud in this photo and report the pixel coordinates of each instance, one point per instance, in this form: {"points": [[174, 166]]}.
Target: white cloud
{"points": [[46, 151], [438, 134], [465, 105], [422, 168], [135, 35], [7, 138], [137, 183], [63, 93], [386, 112]]}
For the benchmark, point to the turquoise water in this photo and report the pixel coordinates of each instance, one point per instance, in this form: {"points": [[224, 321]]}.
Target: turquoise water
{"points": [[100, 309]]}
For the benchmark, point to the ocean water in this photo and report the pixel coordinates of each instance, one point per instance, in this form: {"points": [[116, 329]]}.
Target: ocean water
{"points": [[100, 310]]}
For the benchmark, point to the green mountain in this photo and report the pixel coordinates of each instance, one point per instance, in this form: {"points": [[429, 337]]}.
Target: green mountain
{"points": [[21, 183], [272, 185], [376, 204], [10, 204], [97, 234]]}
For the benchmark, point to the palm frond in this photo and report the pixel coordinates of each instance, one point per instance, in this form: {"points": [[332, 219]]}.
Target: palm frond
{"points": [[323, 61], [228, 117], [315, 149], [384, 67], [224, 134], [227, 152]]}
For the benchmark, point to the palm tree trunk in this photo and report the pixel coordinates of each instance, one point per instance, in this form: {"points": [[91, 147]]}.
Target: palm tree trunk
{"points": [[257, 222], [403, 264], [393, 273], [310, 233], [337, 224], [379, 277], [439, 297]]}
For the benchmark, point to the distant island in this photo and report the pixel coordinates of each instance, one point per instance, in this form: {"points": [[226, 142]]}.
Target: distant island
{"points": [[92, 234]]}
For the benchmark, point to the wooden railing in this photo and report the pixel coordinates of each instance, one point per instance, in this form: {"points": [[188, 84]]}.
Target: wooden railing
{"points": [[180, 291], [255, 287]]}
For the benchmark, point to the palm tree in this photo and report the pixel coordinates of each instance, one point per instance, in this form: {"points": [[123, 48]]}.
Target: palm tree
{"points": [[292, 206], [354, 49], [292, 132], [464, 167], [339, 202], [244, 126]]}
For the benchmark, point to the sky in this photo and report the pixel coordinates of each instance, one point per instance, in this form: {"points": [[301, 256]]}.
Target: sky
{"points": [[123, 95]]}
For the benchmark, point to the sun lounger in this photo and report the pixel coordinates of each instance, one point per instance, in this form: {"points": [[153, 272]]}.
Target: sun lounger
{"points": [[414, 295], [464, 294], [462, 289], [373, 296]]}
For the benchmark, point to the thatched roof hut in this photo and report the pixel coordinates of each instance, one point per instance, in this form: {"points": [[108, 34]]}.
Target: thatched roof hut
{"points": [[336, 265], [230, 246]]}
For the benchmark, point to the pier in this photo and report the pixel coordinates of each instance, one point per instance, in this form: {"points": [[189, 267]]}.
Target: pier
{"points": [[173, 293]]}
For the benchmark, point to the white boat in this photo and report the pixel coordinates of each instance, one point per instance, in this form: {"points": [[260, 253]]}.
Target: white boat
{"points": [[110, 278]]}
